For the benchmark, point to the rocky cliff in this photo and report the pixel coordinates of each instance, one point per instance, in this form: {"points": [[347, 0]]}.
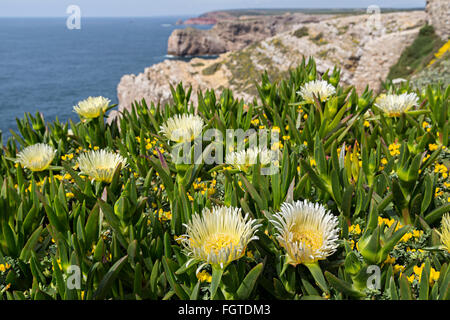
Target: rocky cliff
{"points": [[233, 34], [438, 15], [365, 51]]}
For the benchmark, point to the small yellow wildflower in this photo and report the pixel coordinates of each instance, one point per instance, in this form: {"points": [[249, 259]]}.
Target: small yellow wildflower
{"points": [[355, 229], [204, 276], [433, 146], [394, 149]]}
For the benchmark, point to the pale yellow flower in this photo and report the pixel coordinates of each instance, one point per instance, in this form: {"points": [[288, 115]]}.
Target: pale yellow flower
{"points": [[183, 128], [218, 236], [92, 107], [306, 231], [100, 165], [37, 157], [244, 159], [318, 88], [394, 105]]}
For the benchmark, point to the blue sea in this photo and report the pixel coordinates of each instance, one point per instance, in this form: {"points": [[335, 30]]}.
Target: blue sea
{"points": [[46, 67]]}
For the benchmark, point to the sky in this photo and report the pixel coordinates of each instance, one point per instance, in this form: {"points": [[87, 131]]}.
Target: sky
{"points": [[136, 8]]}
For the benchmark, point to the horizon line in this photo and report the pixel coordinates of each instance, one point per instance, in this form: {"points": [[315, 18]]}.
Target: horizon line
{"points": [[219, 10]]}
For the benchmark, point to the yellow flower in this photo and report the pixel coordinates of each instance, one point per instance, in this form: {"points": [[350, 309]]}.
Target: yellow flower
{"points": [[433, 146], [355, 229], [398, 268], [245, 159], [70, 195], [394, 105], [389, 260], [306, 231], [219, 236], [352, 244], [204, 276], [394, 149], [37, 157], [418, 270], [406, 237], [183, 128], [434, 276], [100, 165], [276, 129], [366, 124], [92, 107], [320, 89], [4, 267]]}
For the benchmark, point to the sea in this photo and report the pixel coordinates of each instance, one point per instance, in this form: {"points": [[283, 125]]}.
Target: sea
{"points": [[47, 67]]}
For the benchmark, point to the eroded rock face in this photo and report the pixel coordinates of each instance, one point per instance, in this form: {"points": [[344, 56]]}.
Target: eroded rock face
{"points": [[365, 55], [194, 42], [438, 15], [232, 34]]}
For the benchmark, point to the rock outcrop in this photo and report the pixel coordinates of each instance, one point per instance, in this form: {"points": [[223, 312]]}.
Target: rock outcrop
{"points": [[364, 53], [438, 13], [232, 34]]}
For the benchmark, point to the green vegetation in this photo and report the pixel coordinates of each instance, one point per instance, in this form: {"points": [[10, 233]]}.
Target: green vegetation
{"points": [[380, 174], [418, 55], [318, 39], [210, 70], [301, 32], [198, 64]]}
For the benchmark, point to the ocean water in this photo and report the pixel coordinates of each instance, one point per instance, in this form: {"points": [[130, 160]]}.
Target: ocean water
{"points": [[48, 68]]}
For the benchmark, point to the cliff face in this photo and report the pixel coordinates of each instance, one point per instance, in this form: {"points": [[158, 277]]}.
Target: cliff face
{"points": [[365, 54], [232, 34], [438, 15], [194, 42]]}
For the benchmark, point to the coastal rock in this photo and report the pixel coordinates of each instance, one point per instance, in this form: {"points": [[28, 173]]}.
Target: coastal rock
{"points": [[438, 15], [194, 42], [365, 55], [232, 34]]}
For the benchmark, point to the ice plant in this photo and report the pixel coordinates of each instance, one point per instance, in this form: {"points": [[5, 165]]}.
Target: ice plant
{"points": [[394, 105], [244, 159], [92, 107], [100, 165], [37, 157], [306, 231], [318, 88], [218, 236], [183, 128], [445, 232]]}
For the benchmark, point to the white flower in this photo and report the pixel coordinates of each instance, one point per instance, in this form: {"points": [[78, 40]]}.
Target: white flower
{"points": [[244, 159], [218, 237], [91, 107], [306, 231], [394, 105], [183, 128], [37, 157], [100, 165], [319, 88]]}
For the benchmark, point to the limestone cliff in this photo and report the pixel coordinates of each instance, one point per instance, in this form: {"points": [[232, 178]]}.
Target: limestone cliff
{"points": [[438, 15], [364, 51], [233, 34]]}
